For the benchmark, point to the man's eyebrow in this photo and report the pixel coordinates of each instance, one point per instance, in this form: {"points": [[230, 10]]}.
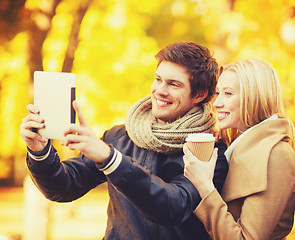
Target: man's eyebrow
{"points": [[176, 81], [169, 79]]}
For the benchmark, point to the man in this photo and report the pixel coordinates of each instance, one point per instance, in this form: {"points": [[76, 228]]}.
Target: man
{"points": [[141, 160]]}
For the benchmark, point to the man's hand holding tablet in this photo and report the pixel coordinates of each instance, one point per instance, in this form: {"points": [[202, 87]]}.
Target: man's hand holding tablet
{"points": [[52, 112], [54, 93]]}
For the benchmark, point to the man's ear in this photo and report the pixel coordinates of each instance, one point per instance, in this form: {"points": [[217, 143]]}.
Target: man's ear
{"points": [[200, 97]]}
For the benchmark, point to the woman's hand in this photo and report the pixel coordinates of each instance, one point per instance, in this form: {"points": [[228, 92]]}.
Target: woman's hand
{"points": [[200, 173], [28, 130], [83, 139]]}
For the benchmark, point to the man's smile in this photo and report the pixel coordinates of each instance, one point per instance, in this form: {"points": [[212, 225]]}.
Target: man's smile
{"points": [[162, 103]]}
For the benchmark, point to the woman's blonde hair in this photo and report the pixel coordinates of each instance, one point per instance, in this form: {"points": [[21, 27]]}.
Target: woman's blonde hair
{"points": [[261, 94]]}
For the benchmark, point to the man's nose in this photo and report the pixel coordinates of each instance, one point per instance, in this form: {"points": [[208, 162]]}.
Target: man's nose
{"points": [[162, 89]]}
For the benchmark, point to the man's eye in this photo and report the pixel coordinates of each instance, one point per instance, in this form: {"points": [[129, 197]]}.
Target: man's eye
{"points": [[173, 84]]}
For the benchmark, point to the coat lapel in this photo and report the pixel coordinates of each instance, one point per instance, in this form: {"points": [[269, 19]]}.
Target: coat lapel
{"points": [[248, 166]]}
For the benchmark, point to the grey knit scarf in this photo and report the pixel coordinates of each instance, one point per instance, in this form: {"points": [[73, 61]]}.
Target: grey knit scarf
{"points": [[146, 132]]}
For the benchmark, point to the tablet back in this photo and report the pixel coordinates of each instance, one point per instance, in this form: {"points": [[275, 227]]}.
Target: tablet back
{"points": [[54, 93]]}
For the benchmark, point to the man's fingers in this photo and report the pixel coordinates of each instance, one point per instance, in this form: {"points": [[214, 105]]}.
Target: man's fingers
{"points": [[33, 109], [80, 115], [75, 142], [32, 135], [76, 146], [32, 125], [70, 138], [75, 129], [34, 118]]}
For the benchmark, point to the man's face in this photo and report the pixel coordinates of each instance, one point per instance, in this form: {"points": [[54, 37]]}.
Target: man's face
{"points": [[170, 92]]}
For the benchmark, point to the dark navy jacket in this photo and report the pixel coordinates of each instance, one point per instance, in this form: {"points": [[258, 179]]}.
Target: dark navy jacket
{"points": [[149, 196]]}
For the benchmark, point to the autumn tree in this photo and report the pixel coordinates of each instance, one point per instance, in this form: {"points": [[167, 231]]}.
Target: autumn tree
{"points": [[36, 21], [111, 44]]}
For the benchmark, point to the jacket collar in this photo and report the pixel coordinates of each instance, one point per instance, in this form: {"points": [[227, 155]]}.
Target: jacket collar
{"points": [[229, 151], [249, 159]]}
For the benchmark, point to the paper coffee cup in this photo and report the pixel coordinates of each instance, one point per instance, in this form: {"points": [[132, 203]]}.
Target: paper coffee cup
{"points": [[201, 145]]}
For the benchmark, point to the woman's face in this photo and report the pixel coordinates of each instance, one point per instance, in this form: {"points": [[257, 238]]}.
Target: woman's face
{"points": [[227, 101]]}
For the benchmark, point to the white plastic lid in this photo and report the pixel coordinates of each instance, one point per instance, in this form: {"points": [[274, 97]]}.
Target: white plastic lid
{"points": [[200, 137]]}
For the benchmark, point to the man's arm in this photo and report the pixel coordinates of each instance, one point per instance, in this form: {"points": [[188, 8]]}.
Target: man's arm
{"points": [[62, 181], [159, 201], [59, 181]]}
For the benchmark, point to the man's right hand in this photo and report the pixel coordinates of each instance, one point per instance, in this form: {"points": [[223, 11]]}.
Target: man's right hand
{"points": [[31, 123]]}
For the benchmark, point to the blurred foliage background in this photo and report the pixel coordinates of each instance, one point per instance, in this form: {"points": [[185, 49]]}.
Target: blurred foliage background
{"points": [[111, 44]]}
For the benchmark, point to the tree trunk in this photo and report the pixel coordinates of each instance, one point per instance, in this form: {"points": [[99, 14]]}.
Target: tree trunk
{"points": [[38, 32], [232, 3], [73, 38]]}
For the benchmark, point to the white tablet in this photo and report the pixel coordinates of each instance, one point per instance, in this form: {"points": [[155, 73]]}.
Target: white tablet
{"points": [[54, 93]]}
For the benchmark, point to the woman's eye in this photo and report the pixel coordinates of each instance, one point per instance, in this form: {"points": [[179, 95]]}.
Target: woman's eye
{"points": [[228, 93]]}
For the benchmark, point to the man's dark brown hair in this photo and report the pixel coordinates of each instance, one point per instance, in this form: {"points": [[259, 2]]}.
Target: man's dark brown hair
{"points": [[199, 62]]}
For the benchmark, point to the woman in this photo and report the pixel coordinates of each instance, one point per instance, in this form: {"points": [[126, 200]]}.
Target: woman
{"points": [[258, 197]]}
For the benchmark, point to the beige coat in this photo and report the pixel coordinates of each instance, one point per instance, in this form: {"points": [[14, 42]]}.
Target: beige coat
{"points": [[258, 194]]}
